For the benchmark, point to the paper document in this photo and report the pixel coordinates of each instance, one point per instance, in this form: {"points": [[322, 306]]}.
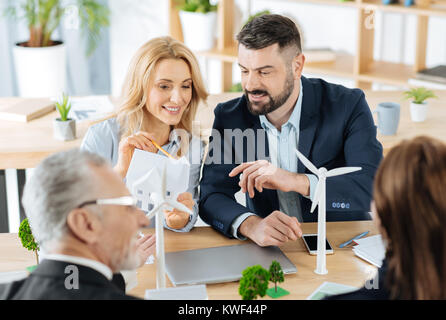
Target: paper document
{"points": [[328, 289], [371, 249], [195, 292], [90, 107], [144, 177], [6, 277]]}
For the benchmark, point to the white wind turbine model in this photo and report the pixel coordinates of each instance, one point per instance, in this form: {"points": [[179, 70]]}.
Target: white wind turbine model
{"points": [[319, 199], [157, 186]]}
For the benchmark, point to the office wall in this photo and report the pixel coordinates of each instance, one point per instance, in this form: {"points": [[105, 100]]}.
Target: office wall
{"points": [[134, 22]]}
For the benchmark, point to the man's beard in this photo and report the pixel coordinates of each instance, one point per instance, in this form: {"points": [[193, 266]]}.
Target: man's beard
{"points": [[274, 102]]}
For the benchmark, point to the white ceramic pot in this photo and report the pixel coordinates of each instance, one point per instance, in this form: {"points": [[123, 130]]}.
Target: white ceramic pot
{"points": [[41, 72], [199, 29], [64, 130], [418, 112]]}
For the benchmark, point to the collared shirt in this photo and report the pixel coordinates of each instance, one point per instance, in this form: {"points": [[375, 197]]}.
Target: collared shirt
{"points": [[281, 145], [89, 263], [103, 139]]}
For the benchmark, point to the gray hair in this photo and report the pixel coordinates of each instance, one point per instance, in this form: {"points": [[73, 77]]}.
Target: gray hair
{"points": [[58, 185]]}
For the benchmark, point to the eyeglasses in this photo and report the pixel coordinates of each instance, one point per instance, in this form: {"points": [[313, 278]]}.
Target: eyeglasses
{"points": [[121, 201]]}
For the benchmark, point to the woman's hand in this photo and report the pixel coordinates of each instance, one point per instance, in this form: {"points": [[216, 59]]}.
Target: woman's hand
{"points": [[140, 140], [146, 246], [176, 219]]}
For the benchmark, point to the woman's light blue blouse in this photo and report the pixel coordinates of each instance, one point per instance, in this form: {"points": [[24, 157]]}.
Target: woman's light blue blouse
{"points": [[103, 139]]}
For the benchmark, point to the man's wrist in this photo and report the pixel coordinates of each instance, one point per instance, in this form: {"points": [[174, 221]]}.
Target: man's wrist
{"points": [[302, 184], [247, 225]]}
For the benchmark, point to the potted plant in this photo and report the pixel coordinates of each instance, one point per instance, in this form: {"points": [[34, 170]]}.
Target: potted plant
{"points": [[64, 127], [28, 241], [418, 105], [254, 282], [40, 60], [199, 21]]}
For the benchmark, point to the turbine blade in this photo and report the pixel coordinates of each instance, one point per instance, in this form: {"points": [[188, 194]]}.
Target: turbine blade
{"points": [[307, 163], [152, 213], [317, 196], [343, 170]]}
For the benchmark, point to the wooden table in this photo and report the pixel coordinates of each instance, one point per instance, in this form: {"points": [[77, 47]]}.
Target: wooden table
{"points": [[24, 145], [343, 266]]}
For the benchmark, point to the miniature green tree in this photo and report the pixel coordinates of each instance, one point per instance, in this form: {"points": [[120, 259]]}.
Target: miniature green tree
{"points": [[254, 282], [276, 275], [276, 272], [27, 238]]}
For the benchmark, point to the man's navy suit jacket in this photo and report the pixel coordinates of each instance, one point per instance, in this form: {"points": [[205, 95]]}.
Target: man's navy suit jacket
{"points": [[336, 130]]}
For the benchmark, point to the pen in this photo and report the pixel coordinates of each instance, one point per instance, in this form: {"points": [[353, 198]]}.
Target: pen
{"points": [[161, 149], [354, 238]]}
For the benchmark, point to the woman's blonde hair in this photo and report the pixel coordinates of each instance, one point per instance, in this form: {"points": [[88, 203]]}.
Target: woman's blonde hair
{"points": [[131, 113]]}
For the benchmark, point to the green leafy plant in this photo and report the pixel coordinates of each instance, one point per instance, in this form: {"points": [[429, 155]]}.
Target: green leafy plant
{"points": [[44, 16], [254, 282], [27, 238], [202, 6], [418, 95], [258, 14], [236, 87], [63, 107], [276, 274]]}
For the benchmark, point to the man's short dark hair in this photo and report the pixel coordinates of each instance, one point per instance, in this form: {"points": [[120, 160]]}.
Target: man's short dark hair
{"points": [[268, 29]]}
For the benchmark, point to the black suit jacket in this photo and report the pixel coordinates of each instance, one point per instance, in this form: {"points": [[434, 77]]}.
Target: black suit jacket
{"points": [[336, 129], [48, 282]]}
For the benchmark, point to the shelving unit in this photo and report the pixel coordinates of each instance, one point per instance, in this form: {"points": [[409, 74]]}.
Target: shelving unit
{"points": [[361, 67]]}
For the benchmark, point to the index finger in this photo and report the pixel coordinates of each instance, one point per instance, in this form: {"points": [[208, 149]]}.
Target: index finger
{"points": [[240, 168], [292, 223], [145, 135]]}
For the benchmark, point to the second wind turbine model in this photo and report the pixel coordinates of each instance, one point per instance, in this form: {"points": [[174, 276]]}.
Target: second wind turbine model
{"points": [[320, 200]]}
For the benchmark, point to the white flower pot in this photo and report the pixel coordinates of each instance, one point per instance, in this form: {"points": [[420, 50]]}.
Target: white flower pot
{"points": [[64, 130], [40, 71], [199, 29], [418, 112]]}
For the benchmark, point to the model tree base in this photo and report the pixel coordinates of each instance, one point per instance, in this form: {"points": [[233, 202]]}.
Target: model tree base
{"points": [[31, 268], [280, 292]]}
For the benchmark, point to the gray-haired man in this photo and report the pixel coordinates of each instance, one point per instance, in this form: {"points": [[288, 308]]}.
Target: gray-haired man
{"points": [[83, 217]]}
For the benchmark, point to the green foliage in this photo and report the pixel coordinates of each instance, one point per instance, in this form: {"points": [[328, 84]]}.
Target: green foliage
{"points": [[236, 87], [418, 95], [276, 273], [202, 6], [258, 14], [44, 16], [63, 107], [254, 282], [26, 236]]}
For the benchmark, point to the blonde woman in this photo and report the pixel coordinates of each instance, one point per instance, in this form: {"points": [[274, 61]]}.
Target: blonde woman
{"points": [[160, 96]]}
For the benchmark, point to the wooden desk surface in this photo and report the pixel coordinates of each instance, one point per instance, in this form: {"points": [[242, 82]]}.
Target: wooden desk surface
{"points": [[24, 145], [343, 266]]}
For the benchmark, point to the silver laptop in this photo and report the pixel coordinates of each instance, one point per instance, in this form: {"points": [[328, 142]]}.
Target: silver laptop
{"points": [[221, 264]]}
